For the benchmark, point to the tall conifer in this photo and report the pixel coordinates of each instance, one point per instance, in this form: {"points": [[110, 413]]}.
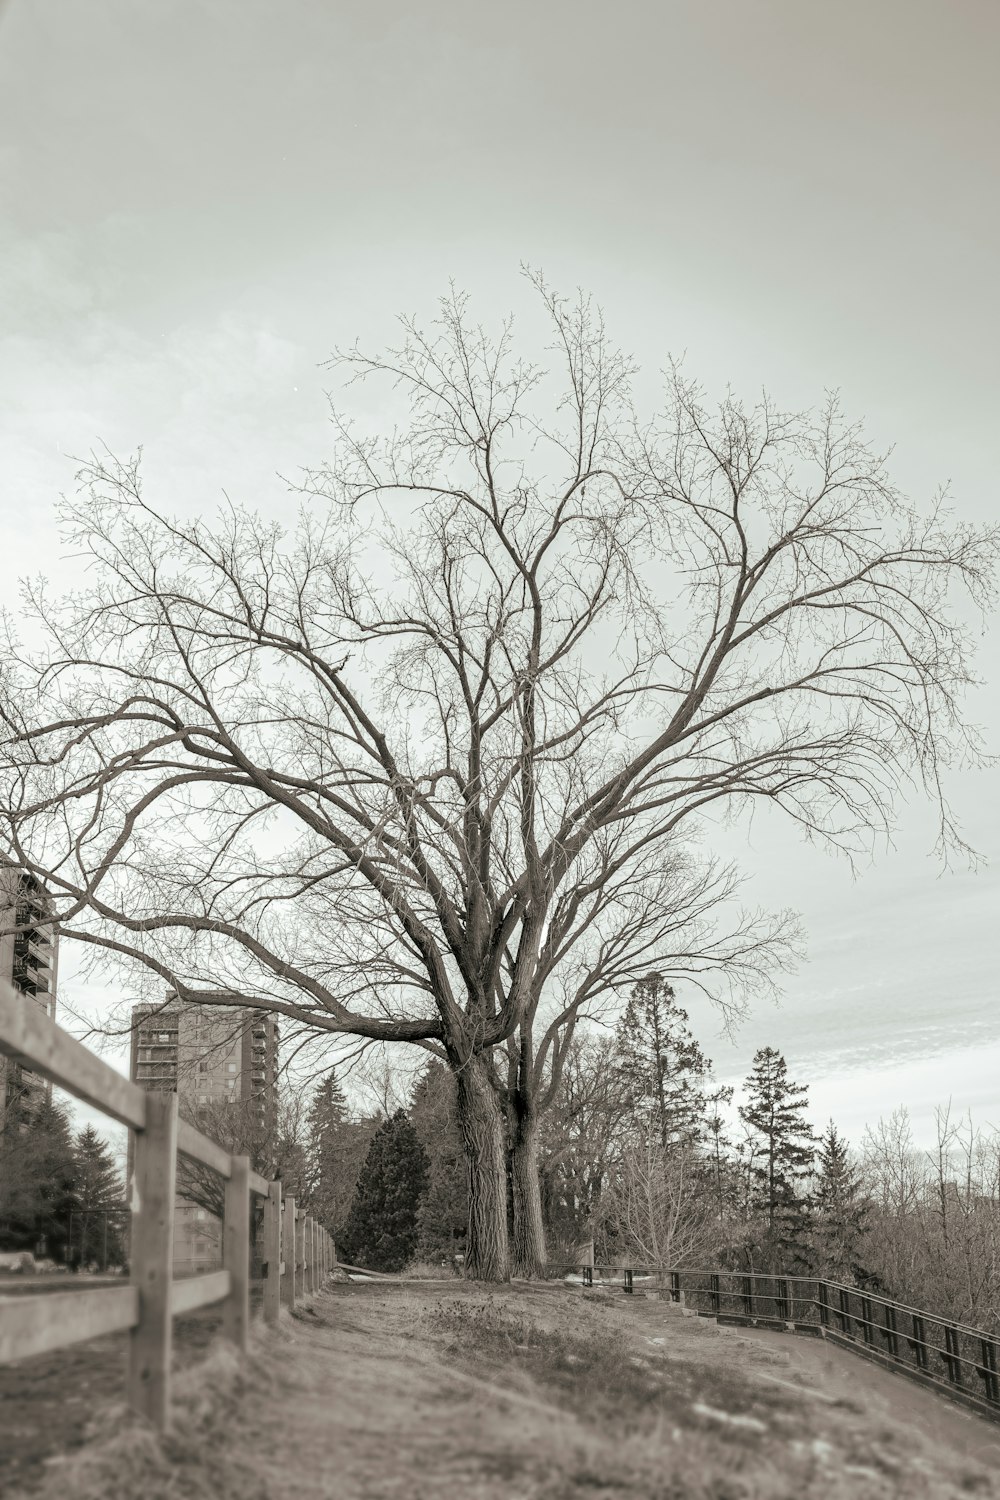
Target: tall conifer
{"points": [[663, 1068], [99, 1195], [774, 1113], [840, 1208]]}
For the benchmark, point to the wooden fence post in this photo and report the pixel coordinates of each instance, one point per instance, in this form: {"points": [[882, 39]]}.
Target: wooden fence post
{"points": [[288, 1243], [272, 1253], [299, 1254], [152, 1259], [236, 1253], [310, 1253]]}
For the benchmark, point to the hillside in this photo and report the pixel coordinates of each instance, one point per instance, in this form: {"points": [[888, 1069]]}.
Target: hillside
{"points": [[536, 1394]]}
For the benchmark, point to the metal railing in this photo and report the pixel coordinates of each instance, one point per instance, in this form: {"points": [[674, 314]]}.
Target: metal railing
{"points": [[961, 1362]]}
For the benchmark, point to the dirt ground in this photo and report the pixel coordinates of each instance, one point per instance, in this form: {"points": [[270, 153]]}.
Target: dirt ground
{"points": [[385, 1392]]}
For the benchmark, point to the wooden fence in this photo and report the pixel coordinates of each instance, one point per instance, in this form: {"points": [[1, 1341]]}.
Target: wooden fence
{"points": [[297, 1252]]}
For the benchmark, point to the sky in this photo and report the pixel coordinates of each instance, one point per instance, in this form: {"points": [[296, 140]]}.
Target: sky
{"points": [[200, 200]]}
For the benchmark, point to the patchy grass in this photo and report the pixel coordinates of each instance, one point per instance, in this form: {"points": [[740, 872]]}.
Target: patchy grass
{"points": [[600, 1368], [430, 1270], [702, 1413]]}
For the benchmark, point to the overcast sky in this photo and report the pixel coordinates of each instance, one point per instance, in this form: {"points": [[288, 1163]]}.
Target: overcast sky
{"points": [[201, 198]]}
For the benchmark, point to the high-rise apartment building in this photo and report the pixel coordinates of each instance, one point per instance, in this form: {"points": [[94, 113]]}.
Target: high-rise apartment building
{"points": [[28, 962], [216, 1061]]}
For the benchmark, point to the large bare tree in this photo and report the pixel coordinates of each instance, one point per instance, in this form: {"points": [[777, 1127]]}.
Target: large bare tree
{"points": [[350, 773]]}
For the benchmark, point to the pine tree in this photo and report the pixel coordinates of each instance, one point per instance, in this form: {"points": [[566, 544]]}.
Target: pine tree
{"points": [[382, 1229], [99, 1193], [37, 1181], [718, 1165], [329, 1142], [663, 1067], [785, 1147], [840, 1209], [444, 1211]]}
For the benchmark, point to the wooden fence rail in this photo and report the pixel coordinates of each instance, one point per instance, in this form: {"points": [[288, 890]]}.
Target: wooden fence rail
{"points": [[297, 1252]]}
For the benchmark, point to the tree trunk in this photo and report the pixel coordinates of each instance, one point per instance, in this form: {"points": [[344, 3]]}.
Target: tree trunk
{"points": [[480, 1118], [528, 1247]]}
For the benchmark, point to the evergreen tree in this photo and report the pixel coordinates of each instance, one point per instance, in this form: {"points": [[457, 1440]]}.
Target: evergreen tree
{"points": [[331, 1153], [37, 1180], [664, 1070], [840, 1209], [382, 1229], [98, 1228], [784, 1147], [444, 1211], [718, 1165]]}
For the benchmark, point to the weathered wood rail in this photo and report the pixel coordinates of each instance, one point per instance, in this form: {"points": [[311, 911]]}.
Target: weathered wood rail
{"points": [[298, 1254]]}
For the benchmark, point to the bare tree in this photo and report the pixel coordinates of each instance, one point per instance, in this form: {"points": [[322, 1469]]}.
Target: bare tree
{"points": [[274, 1140], [933, 1237], [655, 909], [655, 1210], [349, 774]]}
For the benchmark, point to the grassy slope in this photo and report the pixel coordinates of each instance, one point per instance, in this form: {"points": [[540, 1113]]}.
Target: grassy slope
{"points": [[535, 1394]]}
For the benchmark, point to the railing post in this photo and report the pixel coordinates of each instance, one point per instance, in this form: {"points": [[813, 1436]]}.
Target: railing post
{"points": [[272, 1253], [714, 1293], [152, 1259], [236, 1253], [288, 1243], [627, 1278], [300, 1255], [309, 1279], [952, 1355], [867, 1320], [918, 1342], [675, 1286], [748, 1300], [823, 1299], [988, 1370], [889, 1331]]}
